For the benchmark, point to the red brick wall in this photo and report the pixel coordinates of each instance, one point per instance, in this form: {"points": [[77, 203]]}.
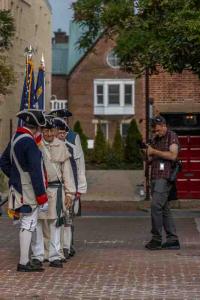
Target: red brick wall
{"points": [[176, 93], [60, 86], [80, 87]]}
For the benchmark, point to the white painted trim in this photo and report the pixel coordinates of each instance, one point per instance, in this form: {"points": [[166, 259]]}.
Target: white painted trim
{"points": [[121, 83]]}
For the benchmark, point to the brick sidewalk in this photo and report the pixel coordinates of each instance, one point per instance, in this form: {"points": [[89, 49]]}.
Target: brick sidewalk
{"points": [[111, 263]]}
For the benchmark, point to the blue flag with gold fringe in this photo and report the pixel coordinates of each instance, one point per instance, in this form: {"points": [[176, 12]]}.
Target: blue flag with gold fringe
{"points": [[39, 91], [28, 93]]}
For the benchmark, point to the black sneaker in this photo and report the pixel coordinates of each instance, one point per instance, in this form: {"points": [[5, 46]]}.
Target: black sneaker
{"points": [[29, 268], [153, 245], [66, 253], [171, 245], [36, 262], [56, 264]]}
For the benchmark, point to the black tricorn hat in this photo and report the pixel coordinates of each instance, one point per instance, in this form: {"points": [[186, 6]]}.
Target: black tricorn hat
{"points": [[49, 122], [61, 124], [32, 117], [61, 113]]}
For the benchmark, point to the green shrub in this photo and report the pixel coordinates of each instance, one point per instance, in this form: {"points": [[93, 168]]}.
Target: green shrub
{"points": [[118, 146], [78, 129], [133, 153], [100, 147]]}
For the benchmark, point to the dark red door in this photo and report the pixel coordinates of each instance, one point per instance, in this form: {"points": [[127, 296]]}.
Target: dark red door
{"points": [[188, 182]]}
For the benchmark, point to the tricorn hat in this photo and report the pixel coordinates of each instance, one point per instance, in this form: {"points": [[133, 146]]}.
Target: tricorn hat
{"points": [[61, 124], [49, 122], [32, 117], [61, 113]]}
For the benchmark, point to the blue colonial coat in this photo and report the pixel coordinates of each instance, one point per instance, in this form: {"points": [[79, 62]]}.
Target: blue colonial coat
{"points": [[30, 160]]}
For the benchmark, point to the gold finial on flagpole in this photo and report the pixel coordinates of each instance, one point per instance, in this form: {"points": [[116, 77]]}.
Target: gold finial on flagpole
{"points": [[29, 51]]}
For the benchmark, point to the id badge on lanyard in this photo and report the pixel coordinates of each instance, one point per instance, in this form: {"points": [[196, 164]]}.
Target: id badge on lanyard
{"points": [[162, 166]]}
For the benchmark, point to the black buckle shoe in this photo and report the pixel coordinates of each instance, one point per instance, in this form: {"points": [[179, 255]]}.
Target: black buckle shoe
{"points": [[153, 245], [72, 251], [56, 264], [36, 262], [171, 245], [29, 268], [66, 253], [63, 260]]}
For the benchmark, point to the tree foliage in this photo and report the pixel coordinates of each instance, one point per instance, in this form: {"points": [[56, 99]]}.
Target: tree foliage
{"points": [[148, 33], [7, 30]]}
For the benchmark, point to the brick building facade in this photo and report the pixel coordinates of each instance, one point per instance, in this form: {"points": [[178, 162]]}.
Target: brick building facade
{"points": [[89, 78], [98, 91], [33, 27]]}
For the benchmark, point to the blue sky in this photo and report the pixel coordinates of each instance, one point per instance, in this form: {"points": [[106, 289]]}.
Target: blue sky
{"points": [[62, 14]]}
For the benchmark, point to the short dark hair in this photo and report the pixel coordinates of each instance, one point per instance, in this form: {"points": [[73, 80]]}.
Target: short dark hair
{"points": [[158, 120]]}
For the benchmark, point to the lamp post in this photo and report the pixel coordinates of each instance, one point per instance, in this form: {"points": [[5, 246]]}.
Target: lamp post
{"points": [[147, 130]]}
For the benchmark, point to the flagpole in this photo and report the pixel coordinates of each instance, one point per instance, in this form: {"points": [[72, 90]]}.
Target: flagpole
{"points": [[29, 54], [43, 65]]}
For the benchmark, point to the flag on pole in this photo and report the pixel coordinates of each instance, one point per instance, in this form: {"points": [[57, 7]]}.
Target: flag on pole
{"points": [[28, 93], [40, 87]]}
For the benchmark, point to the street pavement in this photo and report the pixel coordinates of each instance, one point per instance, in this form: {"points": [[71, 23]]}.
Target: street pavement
{"points": [[111, 262]]}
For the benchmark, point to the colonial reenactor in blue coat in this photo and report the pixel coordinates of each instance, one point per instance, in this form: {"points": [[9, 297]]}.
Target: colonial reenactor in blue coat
{"points": [[22, 163], [73, 144], [60, 191]]}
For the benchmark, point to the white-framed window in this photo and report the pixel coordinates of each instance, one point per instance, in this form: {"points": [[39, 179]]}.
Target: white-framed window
{"points": [[116, 92], [128, 94], [113, 60], [104, 127], [100, 94]]}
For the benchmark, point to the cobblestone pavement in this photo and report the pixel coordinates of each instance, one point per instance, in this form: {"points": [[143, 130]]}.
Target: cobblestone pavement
{"points": [[111, 263]]}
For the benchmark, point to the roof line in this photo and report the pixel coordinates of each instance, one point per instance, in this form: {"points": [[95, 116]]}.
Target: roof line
{"points": [[85, 54]]}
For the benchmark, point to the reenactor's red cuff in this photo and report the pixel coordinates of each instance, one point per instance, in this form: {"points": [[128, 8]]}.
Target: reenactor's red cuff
{"points": [[42, 199]]}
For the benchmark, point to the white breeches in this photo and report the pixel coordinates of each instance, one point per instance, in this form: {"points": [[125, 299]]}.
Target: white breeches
{"points": [[54, 242], [29, 221]]}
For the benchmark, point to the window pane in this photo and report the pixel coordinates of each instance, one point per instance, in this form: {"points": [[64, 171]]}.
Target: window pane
{"points": [[113, 94], [99, 99], [100, 89], [113, 60], [128, 94], [125, 127], [103, 128], [100, 94]]}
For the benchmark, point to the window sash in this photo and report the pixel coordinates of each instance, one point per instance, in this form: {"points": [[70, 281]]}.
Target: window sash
{"points": [[100, 93], [113, 94], [128, 92]]}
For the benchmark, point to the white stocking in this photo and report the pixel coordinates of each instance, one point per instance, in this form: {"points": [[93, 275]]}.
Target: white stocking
{"points": [[25, 241]]}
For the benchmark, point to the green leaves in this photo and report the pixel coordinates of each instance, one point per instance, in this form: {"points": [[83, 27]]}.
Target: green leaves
{"points": [[7, 29], [6, 33], [148, 33]]}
